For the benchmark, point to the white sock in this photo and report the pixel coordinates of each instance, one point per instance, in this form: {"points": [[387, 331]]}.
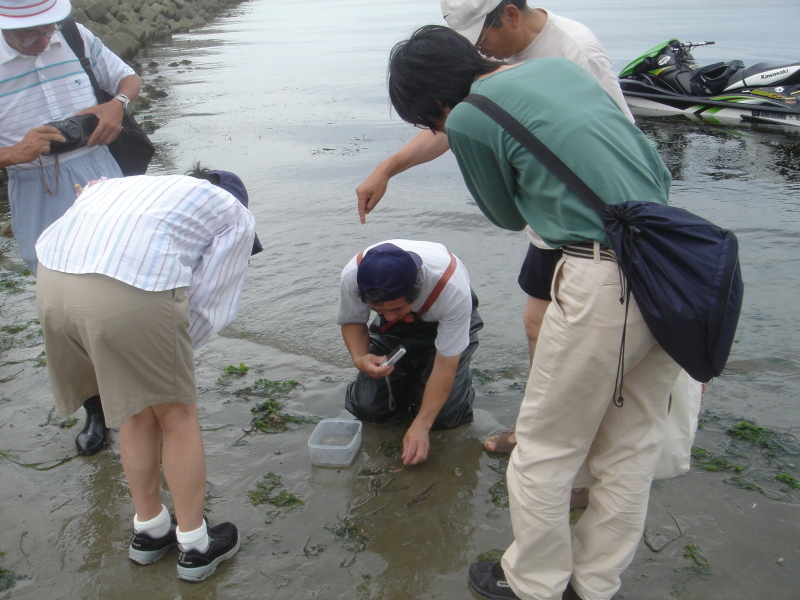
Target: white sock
{"points": [[157, 527], [193, 540]]}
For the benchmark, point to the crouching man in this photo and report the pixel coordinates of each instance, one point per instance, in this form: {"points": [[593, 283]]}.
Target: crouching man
{"points": [[421, 294], [137, 273]]}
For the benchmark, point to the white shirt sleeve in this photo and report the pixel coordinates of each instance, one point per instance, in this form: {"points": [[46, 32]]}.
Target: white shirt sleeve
{"points": [[351, 308], [452, 336], [218, 277], [600, 68]]}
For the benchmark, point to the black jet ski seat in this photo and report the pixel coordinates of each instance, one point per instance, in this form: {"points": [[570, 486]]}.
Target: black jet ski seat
{"points": [[713, 79]]}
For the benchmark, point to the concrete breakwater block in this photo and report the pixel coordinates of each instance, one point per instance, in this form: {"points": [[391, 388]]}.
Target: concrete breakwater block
{"points": [[125, 26]]}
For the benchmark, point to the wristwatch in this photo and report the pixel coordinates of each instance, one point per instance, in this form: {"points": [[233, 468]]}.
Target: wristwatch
{"points": [[127, 107]]}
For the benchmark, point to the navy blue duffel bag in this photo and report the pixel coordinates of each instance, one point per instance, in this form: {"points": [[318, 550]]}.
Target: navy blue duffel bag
{"points": [[683, 271]]}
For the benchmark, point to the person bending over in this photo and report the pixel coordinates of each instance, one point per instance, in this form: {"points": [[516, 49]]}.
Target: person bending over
{"points": [[137, 273]]}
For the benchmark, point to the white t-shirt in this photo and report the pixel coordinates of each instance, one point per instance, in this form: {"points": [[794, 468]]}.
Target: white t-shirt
{"points": [[569, 39], [452, 309]]}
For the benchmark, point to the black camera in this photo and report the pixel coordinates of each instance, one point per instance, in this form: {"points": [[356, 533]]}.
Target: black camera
{"points": [[76, 132]]}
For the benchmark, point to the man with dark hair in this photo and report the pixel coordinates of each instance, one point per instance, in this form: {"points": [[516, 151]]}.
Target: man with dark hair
{"points": [[422, 297], [511, 31], [568, 414], [41, 80], [137, 273]]}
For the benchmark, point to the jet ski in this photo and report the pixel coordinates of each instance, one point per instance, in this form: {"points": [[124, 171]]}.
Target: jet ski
{"points": [[667, 80]]}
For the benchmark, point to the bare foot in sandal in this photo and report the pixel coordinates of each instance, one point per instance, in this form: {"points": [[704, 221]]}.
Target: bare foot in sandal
{"points": [[502, 443]]}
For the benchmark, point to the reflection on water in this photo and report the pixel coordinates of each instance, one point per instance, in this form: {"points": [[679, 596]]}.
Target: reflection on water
{"points": [[697, 151]]}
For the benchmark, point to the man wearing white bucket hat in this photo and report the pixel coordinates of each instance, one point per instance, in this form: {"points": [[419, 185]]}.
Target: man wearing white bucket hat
{"points": [[41, 80]]}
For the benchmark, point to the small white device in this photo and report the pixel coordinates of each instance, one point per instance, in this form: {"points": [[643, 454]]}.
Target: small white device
{"points": [[395, 355]]}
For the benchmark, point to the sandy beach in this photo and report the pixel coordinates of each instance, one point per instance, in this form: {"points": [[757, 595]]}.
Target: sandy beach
{"points": [[248, 93]]}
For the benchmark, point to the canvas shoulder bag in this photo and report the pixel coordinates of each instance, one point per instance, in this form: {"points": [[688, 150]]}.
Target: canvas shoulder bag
{"points": [[132, 149], [682, 270]]}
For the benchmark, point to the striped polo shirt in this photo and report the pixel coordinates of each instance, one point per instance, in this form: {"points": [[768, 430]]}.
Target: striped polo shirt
{"points": [[159, 233], [50, 86]]}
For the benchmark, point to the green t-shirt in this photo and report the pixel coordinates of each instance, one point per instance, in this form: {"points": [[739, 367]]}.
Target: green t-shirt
{"points": [[566, 109]]}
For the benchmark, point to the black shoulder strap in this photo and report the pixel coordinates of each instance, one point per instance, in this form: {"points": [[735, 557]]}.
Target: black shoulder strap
{"points": [[69, 29], [536, 147]]}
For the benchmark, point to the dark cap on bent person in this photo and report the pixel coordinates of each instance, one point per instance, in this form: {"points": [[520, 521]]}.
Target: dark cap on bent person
{"points": [[231, 183], [21, 14], [467, 17], [389, 268]]}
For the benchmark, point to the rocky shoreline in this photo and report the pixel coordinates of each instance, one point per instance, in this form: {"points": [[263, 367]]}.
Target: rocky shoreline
{"points": [[126, 26]]}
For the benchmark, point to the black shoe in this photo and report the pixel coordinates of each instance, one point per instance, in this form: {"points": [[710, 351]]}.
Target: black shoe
{"points": [[488, 580], [146, 550], [570, 594], [223, 543], [93, 435]]}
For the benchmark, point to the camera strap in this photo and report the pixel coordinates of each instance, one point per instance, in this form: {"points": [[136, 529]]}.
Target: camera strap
{"points": [[47, 189]]}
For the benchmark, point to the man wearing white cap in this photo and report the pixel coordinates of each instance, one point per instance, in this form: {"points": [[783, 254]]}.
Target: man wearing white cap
{"points": [[505, 30], [511, 31], [41, 80]]}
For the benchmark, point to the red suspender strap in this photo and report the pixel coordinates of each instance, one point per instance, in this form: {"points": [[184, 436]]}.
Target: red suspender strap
{"points": [[440, 285]]}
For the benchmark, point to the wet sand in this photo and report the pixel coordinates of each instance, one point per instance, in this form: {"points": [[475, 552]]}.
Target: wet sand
{"points": [[371, 530], [302, 144]]}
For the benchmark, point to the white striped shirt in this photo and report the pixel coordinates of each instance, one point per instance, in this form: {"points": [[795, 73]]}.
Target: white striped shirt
{"points": [[159, 233], [50, 86]]}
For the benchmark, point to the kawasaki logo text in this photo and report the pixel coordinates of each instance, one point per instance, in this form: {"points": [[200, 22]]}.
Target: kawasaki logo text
{"points": [[770, 75]]}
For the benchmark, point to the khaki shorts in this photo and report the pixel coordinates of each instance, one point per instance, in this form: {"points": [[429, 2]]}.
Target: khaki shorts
{"points": [[106, 337]]}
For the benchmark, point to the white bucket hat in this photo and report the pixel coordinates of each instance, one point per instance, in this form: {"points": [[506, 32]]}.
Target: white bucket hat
{"points": [[19, 14], [465, 16]]}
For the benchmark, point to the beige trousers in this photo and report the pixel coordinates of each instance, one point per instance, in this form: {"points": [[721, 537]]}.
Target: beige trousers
{"points": [[568, 416]]}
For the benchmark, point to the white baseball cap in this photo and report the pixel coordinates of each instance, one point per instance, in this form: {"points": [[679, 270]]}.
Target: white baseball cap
{"points": [[467, 16], [19, 14]]}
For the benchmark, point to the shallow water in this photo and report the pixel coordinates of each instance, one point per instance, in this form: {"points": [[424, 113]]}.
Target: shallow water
{"points": [[295, 102], [292, 97]]}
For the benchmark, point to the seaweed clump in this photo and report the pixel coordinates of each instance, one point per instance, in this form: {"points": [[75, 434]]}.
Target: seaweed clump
{"points": [[699, 566], [390, 448], [351, 535], [762, 437], [231, 371], [8, 578], [263, 494], [714, 461], [499, 491], [757, 456], [268, 415], [494, 555]]}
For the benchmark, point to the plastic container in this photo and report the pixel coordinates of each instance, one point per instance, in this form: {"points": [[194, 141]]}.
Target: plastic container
{"points": [[335, 442]]}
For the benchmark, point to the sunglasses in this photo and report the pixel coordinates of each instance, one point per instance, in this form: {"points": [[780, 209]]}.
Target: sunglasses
{"points": [[485, 32], [28, 37]]}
